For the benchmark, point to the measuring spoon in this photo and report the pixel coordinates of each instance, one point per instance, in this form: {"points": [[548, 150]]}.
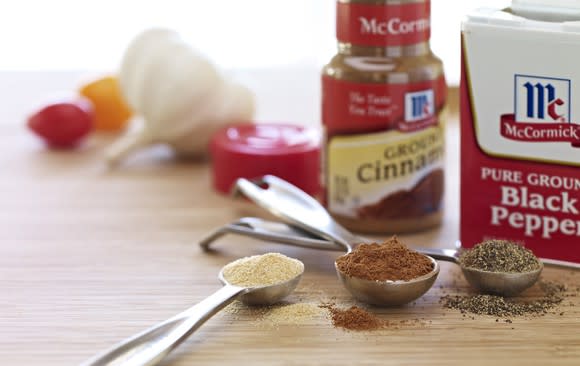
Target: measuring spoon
{"points": [[296, 208], [386, 293], [287, 234], [150, 346], [302, 211]]}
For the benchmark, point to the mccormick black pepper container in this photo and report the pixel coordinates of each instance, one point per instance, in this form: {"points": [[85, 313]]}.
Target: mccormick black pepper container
{"points": [[520, 127], [382, 98]]}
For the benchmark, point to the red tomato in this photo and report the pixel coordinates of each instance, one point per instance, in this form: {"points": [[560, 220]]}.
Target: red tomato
{"points": [[63, 124]]}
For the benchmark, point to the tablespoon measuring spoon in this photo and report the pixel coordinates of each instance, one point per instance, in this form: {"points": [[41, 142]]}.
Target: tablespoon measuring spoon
{"points": [[150, 346], [287, 234], [296, 208]]}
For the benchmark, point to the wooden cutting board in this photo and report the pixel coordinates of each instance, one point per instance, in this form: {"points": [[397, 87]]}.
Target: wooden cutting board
{"points": [[91, 256]]}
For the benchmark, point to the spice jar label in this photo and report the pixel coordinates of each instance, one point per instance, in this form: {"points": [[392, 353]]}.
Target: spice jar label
{"points": [[383, 24], [393, 150], [520, 132], [363, 107]]}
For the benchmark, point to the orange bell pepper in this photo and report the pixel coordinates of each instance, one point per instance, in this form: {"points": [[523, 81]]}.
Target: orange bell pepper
{"points": [[111, 111]]}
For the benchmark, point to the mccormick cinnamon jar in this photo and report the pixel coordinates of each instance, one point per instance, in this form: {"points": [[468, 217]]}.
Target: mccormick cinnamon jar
{"points": [[382, 99]]}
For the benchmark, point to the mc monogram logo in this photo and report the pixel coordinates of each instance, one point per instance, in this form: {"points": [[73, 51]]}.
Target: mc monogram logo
{"points": [[419, 105], [541, 99]]}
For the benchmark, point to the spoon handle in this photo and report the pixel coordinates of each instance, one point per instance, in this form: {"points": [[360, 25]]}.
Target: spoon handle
{"points": [[271, 231], [295, 207], [560, 264], [449, 255], [150, 346]]}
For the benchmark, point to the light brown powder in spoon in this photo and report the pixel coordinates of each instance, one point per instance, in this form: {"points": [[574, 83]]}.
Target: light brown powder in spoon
{"points": [[262, 270]]}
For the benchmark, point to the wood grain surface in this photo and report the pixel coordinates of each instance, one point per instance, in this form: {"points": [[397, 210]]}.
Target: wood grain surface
{"points": [[90, 256]]}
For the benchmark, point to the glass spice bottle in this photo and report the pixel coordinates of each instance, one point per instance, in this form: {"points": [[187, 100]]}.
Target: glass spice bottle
{"points": [[383, 95]]}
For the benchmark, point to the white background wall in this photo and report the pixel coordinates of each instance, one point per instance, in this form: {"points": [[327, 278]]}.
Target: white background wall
{"points": [[81, 34], [276, 47]]}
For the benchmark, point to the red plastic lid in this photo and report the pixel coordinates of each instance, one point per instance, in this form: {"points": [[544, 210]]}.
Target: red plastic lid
{"points": [[251, 150]]}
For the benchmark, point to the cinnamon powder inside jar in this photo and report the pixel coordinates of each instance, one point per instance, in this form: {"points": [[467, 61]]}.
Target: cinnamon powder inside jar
{"points": [[389, 261]]}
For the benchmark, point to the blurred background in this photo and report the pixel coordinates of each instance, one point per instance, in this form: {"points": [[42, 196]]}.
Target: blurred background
{"points": [[275, 46]]}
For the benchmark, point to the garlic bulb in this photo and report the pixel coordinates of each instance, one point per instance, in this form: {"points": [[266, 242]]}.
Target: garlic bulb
{"points": [[180, 95]]}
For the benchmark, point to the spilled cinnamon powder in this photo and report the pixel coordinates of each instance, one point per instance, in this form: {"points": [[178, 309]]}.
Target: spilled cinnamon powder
{"points": [[354, 318], [390, 260]]}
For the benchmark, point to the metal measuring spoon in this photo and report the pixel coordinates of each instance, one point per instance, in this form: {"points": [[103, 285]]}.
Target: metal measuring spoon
{"points": [[498, 283], [389, 293], [283, 233], [298, 209], [150, 346]]}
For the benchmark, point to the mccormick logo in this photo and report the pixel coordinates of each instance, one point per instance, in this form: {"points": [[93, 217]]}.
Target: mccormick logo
{"points": [[420, 111], [393, 26], [541, 99], [542, 111], [419, 105], [383, 23]]}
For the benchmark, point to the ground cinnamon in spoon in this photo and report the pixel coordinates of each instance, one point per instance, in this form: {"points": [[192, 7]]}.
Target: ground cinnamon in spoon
{"points": [[390, 260]]}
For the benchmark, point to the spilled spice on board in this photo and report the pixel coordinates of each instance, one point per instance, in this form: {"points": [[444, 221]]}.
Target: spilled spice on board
{"points": [[279, 314], [503, 307], [354, 318], [297, 313]]}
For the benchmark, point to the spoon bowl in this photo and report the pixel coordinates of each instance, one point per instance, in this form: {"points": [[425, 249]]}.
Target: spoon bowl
{"points": [[389, 293], [501, 283]]}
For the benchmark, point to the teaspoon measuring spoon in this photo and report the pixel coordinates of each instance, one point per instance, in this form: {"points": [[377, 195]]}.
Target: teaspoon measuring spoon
{"points": [[388, 293], [296, 208], [150, 346], [299, 209]]}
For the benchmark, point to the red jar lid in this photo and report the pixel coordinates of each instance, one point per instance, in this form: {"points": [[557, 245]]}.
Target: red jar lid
{"points": [[251, 150]]}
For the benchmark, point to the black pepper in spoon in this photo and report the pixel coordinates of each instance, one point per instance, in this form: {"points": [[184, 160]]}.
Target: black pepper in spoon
{"points": [[500, 256]]}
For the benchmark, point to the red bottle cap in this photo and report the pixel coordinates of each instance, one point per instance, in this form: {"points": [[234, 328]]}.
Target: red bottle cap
{"points": [[252, 150]]}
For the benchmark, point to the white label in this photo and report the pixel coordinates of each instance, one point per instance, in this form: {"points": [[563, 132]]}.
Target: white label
{"points": [[524, 100]]}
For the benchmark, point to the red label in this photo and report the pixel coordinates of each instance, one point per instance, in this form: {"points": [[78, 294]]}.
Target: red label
{"points": [[383, 25], [534, 203], [350, 107]]}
